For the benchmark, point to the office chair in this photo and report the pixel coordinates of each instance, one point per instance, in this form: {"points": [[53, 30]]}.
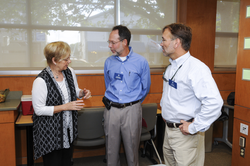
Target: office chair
{"points": [[149, 114], [90, 128]]}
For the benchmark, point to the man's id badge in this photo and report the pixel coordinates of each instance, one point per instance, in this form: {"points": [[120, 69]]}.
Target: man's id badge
{"points": [[118, 76], [172, 83]]}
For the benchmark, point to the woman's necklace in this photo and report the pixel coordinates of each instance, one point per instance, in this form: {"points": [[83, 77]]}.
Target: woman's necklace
{"points": [[56, 75]]}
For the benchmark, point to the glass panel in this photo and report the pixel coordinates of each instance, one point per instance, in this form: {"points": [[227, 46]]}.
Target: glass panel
{"points": [[147, 14], [90, 49], [246, 74], [38, 43], [227, 27], [13, 11], [62, 20], [247, 43], [149, 47], [225, 51], [13, 48], [248, 12], [80, 13], [227, 17]]}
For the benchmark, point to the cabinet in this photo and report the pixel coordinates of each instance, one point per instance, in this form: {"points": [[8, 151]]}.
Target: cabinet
{"points": [[8, 115]]}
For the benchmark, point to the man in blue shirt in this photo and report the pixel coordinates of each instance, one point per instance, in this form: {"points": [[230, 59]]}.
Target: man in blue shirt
{"points": [[127, 81]]}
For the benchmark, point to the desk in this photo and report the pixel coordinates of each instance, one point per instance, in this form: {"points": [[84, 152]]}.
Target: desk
{"points": [[225, 127], [26, 121]]}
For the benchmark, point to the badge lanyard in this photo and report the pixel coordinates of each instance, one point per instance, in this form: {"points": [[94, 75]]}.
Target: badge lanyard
{"points": [[172, 76], [170, 81], [174, 73]]}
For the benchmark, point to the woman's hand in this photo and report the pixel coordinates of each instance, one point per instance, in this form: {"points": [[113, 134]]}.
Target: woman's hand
{"points": [[73, 105], [86, 94]]}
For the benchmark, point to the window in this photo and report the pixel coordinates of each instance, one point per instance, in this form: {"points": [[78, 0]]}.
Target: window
{"points": [[28, 25], [226, 40]]}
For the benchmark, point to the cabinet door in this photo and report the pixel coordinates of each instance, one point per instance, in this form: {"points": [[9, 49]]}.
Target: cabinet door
{"points": [[7, 144]]}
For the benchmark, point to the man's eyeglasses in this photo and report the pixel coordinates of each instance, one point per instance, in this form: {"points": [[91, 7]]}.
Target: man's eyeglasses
{"points": [[113, 43]]}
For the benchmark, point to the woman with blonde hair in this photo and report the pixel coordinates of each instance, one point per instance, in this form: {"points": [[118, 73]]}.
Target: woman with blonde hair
{"points": [[54, 97]]}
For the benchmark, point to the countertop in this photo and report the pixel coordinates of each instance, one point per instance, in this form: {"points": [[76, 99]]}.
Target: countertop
{"points": [[12, 101]]}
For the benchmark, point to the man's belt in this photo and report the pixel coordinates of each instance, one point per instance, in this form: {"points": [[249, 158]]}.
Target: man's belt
{"points": [[119, 105], [176, 125]]}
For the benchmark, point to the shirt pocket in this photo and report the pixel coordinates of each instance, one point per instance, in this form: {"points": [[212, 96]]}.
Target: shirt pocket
{"points": [[133, 80]]}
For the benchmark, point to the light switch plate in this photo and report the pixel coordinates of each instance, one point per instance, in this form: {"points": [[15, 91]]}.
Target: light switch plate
{"points": [[243, 128], [242, 142]]}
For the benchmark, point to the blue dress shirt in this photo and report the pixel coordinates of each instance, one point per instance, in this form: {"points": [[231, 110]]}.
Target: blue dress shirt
{"points": [[127, 81]]}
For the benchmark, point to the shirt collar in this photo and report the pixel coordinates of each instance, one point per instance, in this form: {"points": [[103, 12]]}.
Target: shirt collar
{"points": [[128, 56], [179, 61]]}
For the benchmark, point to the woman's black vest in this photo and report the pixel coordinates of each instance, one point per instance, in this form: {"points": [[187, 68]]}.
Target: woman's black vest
{"points": [[48, 130]]}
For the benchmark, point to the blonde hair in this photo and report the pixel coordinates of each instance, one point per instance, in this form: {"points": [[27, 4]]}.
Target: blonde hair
{"points": [[57, 50]]}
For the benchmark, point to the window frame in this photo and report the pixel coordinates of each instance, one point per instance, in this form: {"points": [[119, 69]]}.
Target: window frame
{"points": [[85, 70]]}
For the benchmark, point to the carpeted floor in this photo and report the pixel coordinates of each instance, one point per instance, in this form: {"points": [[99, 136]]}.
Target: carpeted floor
{"points": [[220, 156]]}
